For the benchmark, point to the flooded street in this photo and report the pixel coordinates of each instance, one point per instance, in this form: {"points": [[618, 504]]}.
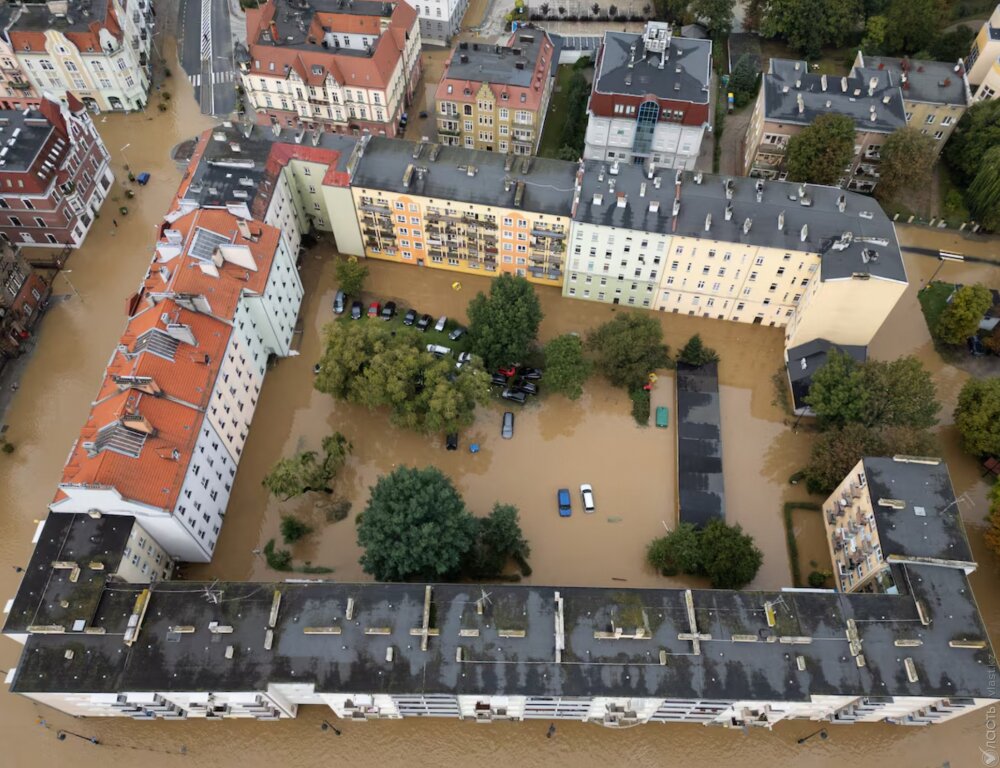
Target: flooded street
{"points": [[557, 444]]}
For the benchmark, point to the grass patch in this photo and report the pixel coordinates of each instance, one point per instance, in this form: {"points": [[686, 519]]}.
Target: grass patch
{"points": [[933, 300], [555, 121], [793, 545]]}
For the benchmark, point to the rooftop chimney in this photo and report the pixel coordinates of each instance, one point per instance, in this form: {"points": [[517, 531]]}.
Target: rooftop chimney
{"points": [[822, 82], [598, 198], [804, 234], [748, 222], [841, 203], [801, 103], [843, 84], [654, 206], [622, 199], [708, 222], [729, 211], [872, 85], [642, 189], [781, 221]]}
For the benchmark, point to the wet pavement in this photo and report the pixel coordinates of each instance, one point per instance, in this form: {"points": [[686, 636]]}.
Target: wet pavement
{"points": [[556, 443]]}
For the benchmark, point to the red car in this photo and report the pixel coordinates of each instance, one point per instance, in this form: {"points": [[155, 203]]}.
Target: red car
{"points": [[510, 370], [374, 309]]}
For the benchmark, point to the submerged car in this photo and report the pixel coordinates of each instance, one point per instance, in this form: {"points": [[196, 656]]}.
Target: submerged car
{"points": [[437, 350], [588, 497], [374, 308], [441, 323], [507, 426], [565, 507], [457, 333]]}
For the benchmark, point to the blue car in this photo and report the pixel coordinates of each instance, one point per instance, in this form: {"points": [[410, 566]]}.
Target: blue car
{"points": [[565, 509]]}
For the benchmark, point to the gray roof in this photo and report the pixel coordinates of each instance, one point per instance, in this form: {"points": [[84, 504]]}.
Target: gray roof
{"points": [[805, 359], [498, 63], [355, 661], [691, 57], [80, 14], [547, 185], [700, 489], [930, 523], [22, 136], [82, 540], [784, 84], [871, 249], [934, 82], [293, 20]]}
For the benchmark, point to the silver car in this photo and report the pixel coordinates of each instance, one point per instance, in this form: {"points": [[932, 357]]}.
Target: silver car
{"points": [[507, 426]]}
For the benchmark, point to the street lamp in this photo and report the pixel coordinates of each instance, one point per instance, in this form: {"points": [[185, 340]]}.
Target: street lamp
{"points": [[823, 735], [65, 273], [124, 157], [944, 256], [326, 725], [61, 735]]}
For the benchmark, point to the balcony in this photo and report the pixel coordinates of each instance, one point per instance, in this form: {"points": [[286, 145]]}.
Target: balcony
{"points": [[775, 149], [382, 209]]}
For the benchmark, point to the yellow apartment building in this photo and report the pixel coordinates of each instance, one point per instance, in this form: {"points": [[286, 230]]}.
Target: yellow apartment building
{"points": [[463, 210], [983, 61]]}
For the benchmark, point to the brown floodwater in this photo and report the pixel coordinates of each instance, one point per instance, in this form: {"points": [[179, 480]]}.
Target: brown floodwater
{"points": [[557, 443]]}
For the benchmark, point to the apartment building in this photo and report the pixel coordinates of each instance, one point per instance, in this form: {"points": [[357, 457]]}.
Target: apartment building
{"points": [[16, 91], [440, 19], [54, 174], [893, 511], [464, 210], [165, 435], [651, 98], [935, 93], [983, 61], [297, 181], [349, 66], [97, 51], [495, 97], [791, 97], [23, 293], [746, 250]]}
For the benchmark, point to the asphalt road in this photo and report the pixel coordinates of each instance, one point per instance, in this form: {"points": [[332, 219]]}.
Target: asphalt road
{"points": [[206, 53]]}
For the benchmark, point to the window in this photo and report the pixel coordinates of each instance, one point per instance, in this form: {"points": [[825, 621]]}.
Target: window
{"points": [[939, 135], [947, 120], [930, 119]]}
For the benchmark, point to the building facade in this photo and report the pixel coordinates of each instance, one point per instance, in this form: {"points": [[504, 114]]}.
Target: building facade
{"points": [[791, 97], [464, 210], [55, 174], [984, 59], [16, 91], [322, 64], [97, 51], [440, 20], [935, 93], [23, 294], [496, 97], [650, 100]]}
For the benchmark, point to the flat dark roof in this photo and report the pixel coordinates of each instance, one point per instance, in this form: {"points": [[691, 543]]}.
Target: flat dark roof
{"points": [[684, 77], [700, 488], [23, 133], [497, 63]]}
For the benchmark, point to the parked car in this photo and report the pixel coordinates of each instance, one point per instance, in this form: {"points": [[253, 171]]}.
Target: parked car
{"points": [[389, 310], [565, 507], [437, 350], [463, 358], [531, 374], [441, 323], [410, 317], [976, 348], [527, 387], [456, 334], [424, 323], [498, 380], [339, 303], [507, 426], [451, 441], [510, 370], [588, 497], [317, 368], [357, 309], [514, 396], [374, 308]]}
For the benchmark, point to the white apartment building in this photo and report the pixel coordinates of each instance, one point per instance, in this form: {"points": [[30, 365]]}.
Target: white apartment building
{"points": [[440, 19], [97, 50]]}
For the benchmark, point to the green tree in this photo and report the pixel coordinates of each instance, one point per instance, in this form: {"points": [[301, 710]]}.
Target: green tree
{"points": [[743, 80], [628, 348], [498, 539], [908, 158], [565, 366], [984, 192], [729, 557], [415, 526], [307, 471], [277, 559], [809, 25], [977, 416], [835, 452], [961, 317], [351, 275], [976, 134], [350, 348], [717, 14], [677, 552], [912, 25], [899, 393], [696, 353], [953, 45], [819, 153], [873, 43], [293, 529], [992, 534], [504, 324]]}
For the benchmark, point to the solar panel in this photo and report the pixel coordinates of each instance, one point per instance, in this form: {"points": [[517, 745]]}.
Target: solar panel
{"points": [[205, 242]]}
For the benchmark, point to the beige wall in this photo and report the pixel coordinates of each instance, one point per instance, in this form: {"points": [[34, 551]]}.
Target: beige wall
{"points": [[943, 118], [497, 126], [852, 536], [144, 559]]}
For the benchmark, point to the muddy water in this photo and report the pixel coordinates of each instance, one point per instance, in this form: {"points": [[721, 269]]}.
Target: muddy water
{"points": [[557, 444]]}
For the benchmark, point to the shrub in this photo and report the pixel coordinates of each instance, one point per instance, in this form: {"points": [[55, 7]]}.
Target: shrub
{"points": [[277, 559], [817, 579], [293, 529], [640, 406], [338, 510]]}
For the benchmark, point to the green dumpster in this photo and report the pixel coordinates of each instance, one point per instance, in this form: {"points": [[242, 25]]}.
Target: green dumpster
{"points": [[662, 416]]}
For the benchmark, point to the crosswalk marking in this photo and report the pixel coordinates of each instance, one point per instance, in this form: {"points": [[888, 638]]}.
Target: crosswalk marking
{"points": [[228, 76], [206, 29], [195, 80]]}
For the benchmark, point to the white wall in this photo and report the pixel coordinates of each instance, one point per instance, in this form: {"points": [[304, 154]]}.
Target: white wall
{"points": [[204, 494]]}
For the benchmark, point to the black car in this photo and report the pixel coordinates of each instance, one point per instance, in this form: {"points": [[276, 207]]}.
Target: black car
{"points": [[451, 441], [410, 317], [498, 380], [389, 310], [424, 322], [514, 396], [531, 374], [357, 310], [976, 348], [527, 387]]}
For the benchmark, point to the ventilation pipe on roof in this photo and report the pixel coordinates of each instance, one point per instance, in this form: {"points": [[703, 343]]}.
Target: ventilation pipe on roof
{"points": [[746, 225], [677, 207], [804, 234], [729, 212], [822, 82], [781, 221], [843, 84], [708, 222], [841, 202]]}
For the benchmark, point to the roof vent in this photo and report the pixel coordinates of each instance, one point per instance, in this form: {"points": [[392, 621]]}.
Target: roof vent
{"points": [[843, 84], [841, 202], [708, 222], [781, 221], [729, 212], [698, 177], [822, 82], [677, 207], [746, 225], [804, 233], [642, 189], [622, 199], [654, 206], [598, 198]]}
